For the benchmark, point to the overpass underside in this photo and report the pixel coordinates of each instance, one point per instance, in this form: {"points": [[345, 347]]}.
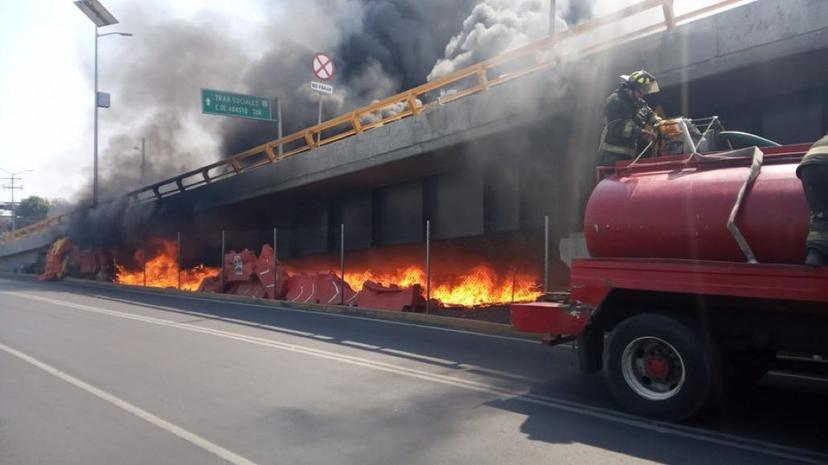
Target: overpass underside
{"points": [[487, 169]]}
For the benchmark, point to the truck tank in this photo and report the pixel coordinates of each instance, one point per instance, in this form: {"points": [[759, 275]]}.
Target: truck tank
{"points": [[681, 212]]}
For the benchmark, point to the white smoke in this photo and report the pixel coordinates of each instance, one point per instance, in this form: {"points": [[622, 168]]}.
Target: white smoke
{"points": [[495, 26]]}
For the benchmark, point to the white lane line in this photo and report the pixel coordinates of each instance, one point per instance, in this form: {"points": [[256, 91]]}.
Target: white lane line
{"points": [[334, 315], [192, 438], [797, 376], [746, 444], [361, 345], [281, 329]]}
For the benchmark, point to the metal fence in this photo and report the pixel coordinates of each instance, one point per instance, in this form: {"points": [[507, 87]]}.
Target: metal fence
{"points": [[449, 276]]}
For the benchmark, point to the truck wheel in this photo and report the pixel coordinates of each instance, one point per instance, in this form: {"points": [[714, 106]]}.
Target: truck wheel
{"points": [[659, 367]]}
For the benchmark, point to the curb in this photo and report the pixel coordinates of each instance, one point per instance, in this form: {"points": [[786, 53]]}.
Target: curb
{"points": [[460, 324]]}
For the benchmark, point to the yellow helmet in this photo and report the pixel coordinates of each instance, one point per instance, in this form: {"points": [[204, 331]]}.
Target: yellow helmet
{"points": [[641, 81]]}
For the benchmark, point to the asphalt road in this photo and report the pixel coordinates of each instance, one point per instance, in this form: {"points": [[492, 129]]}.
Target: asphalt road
{"points": [[103, 376]]}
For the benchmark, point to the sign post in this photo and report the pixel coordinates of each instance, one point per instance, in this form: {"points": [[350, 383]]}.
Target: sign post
{"points": [[323, 68], [278, 104], [218, 102]]}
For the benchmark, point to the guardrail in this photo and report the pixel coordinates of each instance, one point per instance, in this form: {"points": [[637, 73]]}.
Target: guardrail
{"points": [[48, 223], [541, 54]]}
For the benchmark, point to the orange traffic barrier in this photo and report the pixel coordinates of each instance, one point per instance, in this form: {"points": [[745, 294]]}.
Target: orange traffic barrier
{"points": [[392, 297]]}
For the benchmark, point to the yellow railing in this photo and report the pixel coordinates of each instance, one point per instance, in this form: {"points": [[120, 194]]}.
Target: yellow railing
{"points": [[48, 223], [541, 54]]}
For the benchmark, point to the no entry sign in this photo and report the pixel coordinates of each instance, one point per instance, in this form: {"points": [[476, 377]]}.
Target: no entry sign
{"points": [[323, 67]]}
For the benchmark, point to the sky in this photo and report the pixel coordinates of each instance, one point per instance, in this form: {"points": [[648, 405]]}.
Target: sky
{"points": [[46, 51]]}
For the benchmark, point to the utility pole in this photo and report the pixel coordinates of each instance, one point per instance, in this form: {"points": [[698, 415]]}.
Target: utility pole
{"points": [[12, 179], [552, 10], [143, 160]]}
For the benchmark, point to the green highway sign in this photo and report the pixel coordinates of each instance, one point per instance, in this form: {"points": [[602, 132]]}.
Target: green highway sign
{"points": [[218, 102]]}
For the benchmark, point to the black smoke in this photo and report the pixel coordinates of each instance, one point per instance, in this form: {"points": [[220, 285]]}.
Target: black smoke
{"points": [[381, 47], [394, 46]]}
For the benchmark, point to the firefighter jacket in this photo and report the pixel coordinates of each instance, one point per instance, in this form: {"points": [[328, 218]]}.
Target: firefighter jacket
{"points": [[624, 123], [817, 155], [815, 183]]}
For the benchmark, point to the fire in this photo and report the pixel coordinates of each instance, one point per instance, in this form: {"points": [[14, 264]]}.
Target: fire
{"points": [[480, 285], [162, 270], [453, 283], [402, 277]]}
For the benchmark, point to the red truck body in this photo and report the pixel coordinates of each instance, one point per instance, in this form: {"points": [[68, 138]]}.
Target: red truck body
{"points": [[672, 294]]}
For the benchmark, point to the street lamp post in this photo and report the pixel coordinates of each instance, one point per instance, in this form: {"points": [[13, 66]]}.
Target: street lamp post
{"points": [[101, 18]]}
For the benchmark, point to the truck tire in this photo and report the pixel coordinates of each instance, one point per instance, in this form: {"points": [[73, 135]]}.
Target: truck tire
{"points": [[661, 367]]}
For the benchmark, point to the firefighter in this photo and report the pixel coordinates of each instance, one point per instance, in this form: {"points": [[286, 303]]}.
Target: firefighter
{"points": [[813, 172], [625, 132]]}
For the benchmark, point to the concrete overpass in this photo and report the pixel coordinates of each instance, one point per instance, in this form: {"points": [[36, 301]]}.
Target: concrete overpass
{"points": [[500, 160]]}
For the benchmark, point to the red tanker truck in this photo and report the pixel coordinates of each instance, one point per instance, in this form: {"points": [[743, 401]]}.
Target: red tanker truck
{"points": [[694, 282]]}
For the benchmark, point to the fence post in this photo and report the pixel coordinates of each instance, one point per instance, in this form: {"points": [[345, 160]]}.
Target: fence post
{"points": [[144, 257], [275, 242], [546, 254], [342, 263], [669, 13], [178, 239], [221, 273], [428, 266]]}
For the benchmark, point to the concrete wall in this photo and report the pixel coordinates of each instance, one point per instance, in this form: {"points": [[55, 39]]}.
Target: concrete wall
{"points": [[25, 251]]}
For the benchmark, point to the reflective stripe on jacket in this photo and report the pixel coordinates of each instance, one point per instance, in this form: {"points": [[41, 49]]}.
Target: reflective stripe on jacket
{"points": [[817, 155]]}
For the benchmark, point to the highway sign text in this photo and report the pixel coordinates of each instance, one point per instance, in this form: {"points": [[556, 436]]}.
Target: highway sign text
{"points": [[322, 88], [217, 102]]}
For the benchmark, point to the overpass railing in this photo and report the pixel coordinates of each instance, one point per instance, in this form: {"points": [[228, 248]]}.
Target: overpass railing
{"points": [[511, 65], [40, 226]]}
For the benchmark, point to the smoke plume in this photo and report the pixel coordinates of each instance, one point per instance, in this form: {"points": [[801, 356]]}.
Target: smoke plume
{"points": [[381, 47]]}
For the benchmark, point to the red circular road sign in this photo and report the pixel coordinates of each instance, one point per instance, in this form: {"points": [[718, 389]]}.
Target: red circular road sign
{"points": [[323, 67]]}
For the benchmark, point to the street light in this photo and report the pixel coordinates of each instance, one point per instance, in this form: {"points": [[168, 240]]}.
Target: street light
{"points": [[13, 177], [101, 18]]}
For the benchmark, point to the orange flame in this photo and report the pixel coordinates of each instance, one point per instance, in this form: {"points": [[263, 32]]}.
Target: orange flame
{"points": [[481, 285], [472, 287], [162, 270]]}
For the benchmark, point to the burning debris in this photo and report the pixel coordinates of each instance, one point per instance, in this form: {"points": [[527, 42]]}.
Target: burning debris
{"points": [[67, 259], [246, 273], [479, 286], [162, 269]]}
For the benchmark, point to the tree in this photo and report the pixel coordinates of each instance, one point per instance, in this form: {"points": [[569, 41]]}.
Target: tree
{"points": [[33, 208]]}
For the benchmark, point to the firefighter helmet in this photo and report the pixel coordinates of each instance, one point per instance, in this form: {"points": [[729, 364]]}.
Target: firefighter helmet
{"points": [[641, 81]]}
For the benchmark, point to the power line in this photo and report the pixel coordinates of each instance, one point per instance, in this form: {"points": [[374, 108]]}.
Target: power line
{"points": [[12, 179]]}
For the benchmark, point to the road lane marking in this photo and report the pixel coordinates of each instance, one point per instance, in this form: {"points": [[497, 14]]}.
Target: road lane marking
{"points": [[747, 444], [335, 315], [798, 376], [361, 345], [159, 422], [448, 363]]}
